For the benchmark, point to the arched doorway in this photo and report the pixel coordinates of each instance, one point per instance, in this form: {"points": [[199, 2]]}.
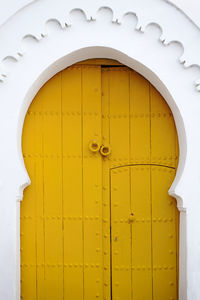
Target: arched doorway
{"points": [[101, 149]]}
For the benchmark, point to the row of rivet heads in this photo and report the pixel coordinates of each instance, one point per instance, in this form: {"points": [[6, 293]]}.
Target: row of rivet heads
{"points": [[116, 268], [70, 265], [167, 163], [97, 296], [143, 268], [58, 113], [171, 157], [57, 156], [131, 160], [170, 202], [147, 168], [98, 250], [116, 162], [70, 218], [117, 252], [78, 113], [96, 219], [106, 228], [165, 220]]}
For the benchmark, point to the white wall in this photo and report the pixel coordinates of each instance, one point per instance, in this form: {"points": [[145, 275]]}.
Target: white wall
{"points": [[9, 7], [190, 7]]}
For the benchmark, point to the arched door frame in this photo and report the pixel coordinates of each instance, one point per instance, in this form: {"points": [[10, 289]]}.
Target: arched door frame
{"points": [[41, 53]]}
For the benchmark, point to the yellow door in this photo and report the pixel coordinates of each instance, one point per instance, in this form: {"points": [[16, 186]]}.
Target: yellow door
{"points": [[100, 146]]}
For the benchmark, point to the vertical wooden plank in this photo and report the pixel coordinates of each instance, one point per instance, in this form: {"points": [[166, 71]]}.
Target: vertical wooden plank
{"points": [[141, 233], [139, 119], [163, 132], [37, 108], [92, 183], [177, 216], [163, 151], [40, 223], [105, 84], [164, 234], [28, 240], [121, 234], [72, 182], [53, 189], [140, 186], [119, 115], [119, 84], [33, 203]]}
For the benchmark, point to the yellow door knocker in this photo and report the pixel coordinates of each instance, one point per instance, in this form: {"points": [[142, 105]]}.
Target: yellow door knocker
{"points": [[94, 146], [105, 150]]}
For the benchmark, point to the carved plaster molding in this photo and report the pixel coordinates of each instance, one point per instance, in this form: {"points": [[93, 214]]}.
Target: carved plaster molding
{"points": [[169, 34]]}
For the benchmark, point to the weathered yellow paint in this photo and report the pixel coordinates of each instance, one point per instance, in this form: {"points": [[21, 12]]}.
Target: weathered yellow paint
{"points": [[94, 226]]}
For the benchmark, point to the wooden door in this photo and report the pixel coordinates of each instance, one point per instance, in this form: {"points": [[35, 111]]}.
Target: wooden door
{"points": [[101, 149], [143, 256]]}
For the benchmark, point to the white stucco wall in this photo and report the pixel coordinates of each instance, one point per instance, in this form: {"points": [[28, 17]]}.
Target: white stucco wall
{"points": [[190, 8], [10, 7]]}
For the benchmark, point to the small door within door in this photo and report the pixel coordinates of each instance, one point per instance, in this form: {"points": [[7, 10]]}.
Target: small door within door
{"points": [[143, 233]]}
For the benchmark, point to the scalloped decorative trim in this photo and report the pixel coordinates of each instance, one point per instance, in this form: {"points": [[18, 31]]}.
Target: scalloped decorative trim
{"points": [[65, 24]]}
